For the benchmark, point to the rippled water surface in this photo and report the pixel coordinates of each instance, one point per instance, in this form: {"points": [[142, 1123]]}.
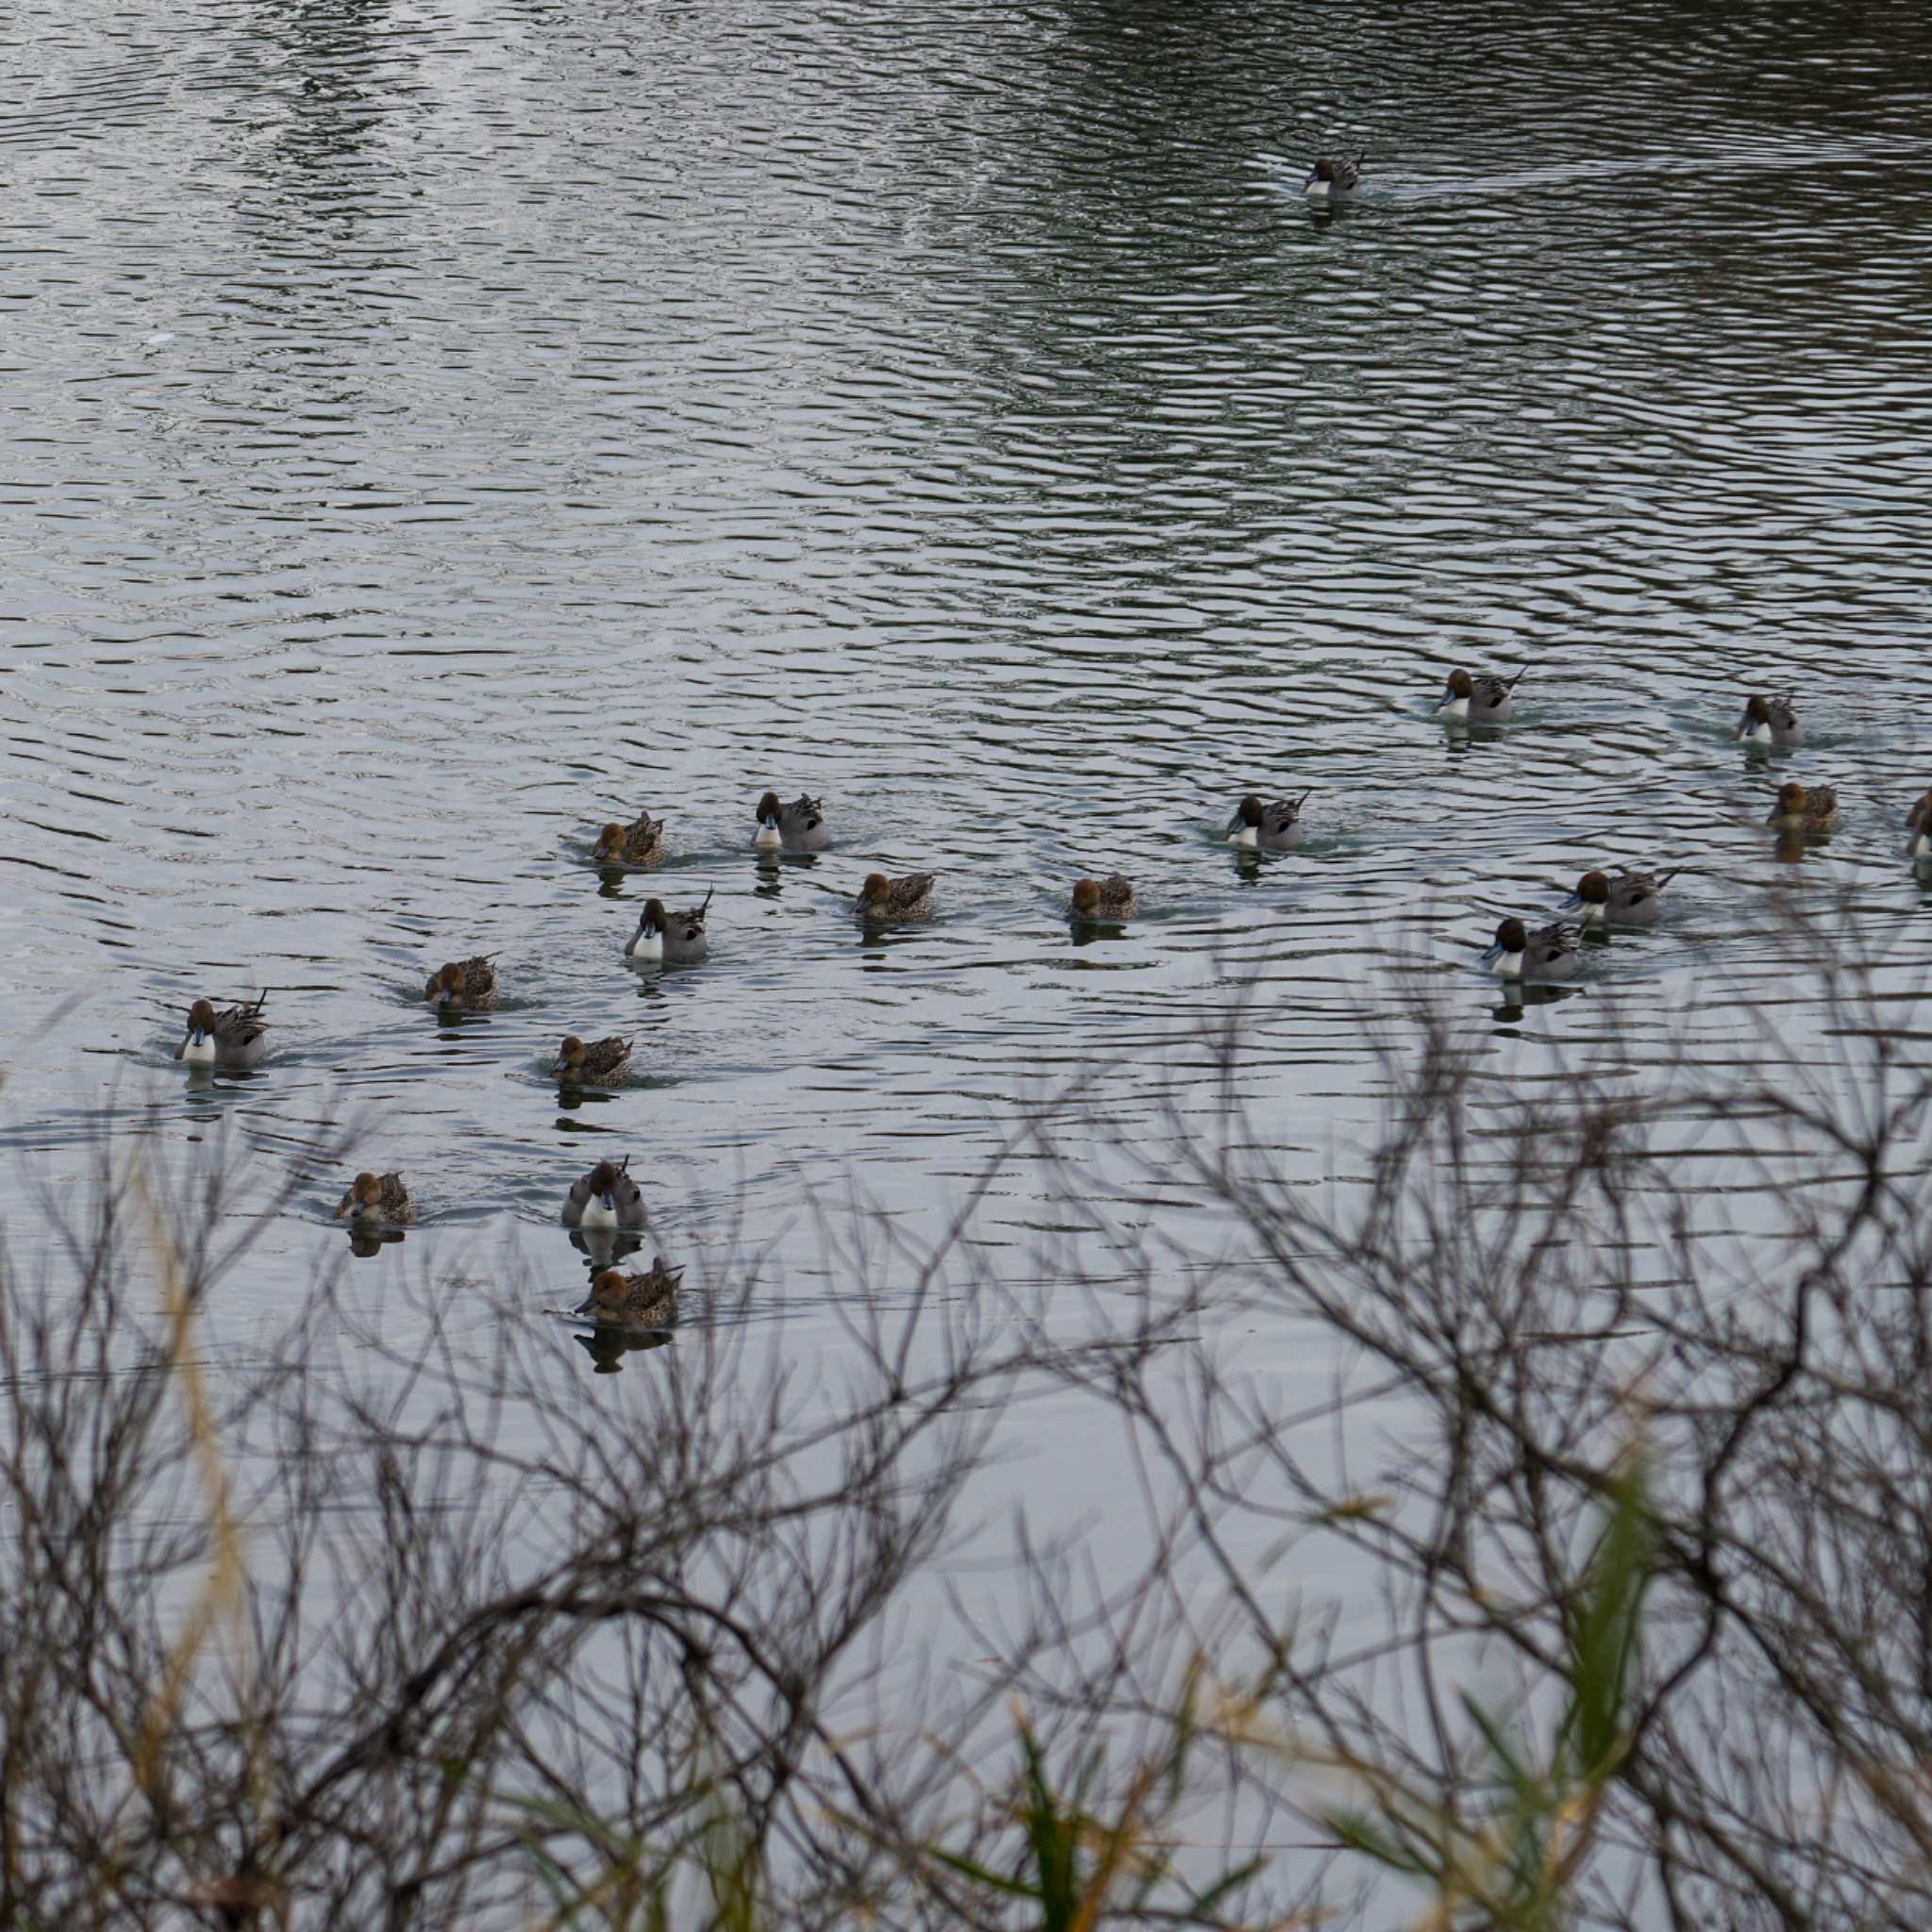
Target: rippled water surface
{"points": [[432, 430]]}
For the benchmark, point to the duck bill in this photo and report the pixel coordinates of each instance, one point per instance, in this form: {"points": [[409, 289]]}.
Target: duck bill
{"points": [[609, 1201], [561, 1071]]}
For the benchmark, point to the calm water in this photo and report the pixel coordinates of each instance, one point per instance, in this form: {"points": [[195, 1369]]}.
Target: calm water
{"points": [[430, 431]]}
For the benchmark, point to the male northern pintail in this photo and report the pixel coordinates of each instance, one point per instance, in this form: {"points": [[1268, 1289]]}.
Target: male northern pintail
{"points": [[236, 1037], [677, 936], [1273, 828], [467, 983], [881, 898], [799, 826], [641, 844], [1479, 697], [635, 1301], [1919, 823], [1103, 900], [1626, 898], [596, 1059], [1334, 175], [1548, 953], [378, 1197], [1803, 809], [1772, 722], [605, 1198]]}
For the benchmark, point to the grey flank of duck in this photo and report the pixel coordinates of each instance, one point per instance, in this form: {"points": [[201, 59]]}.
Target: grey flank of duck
{"points": [[378, 1197], [605, 1198], [1333, 176], [596, 1059], [469, 984], [799, 826], [1804, 809], [635, 1301], [1104, 901], [677, 936], [1626, 898], [1772, 722], [1479, 697], [1273, 828], [1548, 953], [881, 898], [236, 1037], [641, 844]]}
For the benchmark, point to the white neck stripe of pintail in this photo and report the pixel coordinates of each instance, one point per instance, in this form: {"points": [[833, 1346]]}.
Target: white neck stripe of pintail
{"points": [[645, 945], [1509, 966], [1245, 836], [1453, 708], [1922, 849], [198, 1050], [598, 1214], [1759, 734], [767, 834]]}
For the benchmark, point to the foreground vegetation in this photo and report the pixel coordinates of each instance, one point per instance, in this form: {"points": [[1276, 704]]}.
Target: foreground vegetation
{"points": [[383, 1622]]}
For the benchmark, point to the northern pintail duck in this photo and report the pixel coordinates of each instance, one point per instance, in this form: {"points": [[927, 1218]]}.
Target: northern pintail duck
{"points": [[1626, 898], [677, 936], [881, 898], [1334, 175], [799, 826], [1802, 809], [1772, 722], [1548, 953], [378, 1197], [605, 1198], [1273, 828], [635, 1301], [1919, 823], [1479, 697], [236, 1037], [467, 983], [596, 1059], [1104, 900], [641, 844]]}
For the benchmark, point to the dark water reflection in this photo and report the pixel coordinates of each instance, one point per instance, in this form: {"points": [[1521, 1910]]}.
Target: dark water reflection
{"points": [[430, 434]]}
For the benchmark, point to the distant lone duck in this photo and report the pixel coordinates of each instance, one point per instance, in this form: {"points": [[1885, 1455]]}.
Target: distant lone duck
{"points": [[1919, 823], [1478, 698], [679, 938], [799, 826], [236, 1037], [881, 898], [1101, 901], [600, 1059], [641, 844], [1274, 828], [1802, 809], [1630, 898], [378, 1197], [1334, 175], [605, 1198], [1549, 953], [635, 1301], [469, 984], [1772, 722]]}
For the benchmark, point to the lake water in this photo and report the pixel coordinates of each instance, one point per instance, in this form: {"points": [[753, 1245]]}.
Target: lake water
{"points": [[432, 430]]}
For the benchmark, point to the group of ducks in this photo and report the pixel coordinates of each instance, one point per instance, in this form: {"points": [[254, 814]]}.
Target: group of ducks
{"points": [[607, 1203]]}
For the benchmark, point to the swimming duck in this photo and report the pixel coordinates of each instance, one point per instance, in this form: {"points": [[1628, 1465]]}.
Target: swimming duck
{"points": [[1333, 176], [1919, 823], [635, 1301], [1274, 827], [605, 1198], [1770, 722], [641, 844], [600, 1059], [469, 984], [883, 898], [1479, 697], [799, 826], [1549, 953], [1105, 899], [678, 937], [1629, 898], [236, 1037], [378, 1197], [1799, 810]]}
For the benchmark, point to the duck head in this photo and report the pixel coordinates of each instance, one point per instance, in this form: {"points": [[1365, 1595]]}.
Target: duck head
{"points": [[876, 890], [1593, 890], [1792, 798], [1755, 722], [647, 943], [198, 1046], [1087, 896], [365, 1191], [610, 1290], [1460, 689], [1245, 826], [768, 832], [1506, 956], [569, 1059], [609, 843]]}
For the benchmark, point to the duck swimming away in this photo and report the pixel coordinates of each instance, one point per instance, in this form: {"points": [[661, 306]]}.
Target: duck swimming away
{"points": [[1276, 827], [378, 1197], [1334, 175], [799, 826], [633, 1300], [604, 1197], [236, 1037]]}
